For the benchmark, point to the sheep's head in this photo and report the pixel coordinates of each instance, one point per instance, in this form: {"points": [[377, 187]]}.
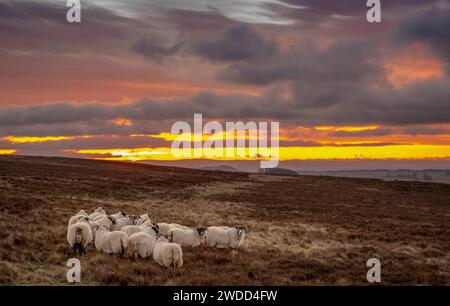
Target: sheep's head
{"points": [[112, 219], [135, 219], [155, 228], [124, 214], [201, 231], [240, 230]]}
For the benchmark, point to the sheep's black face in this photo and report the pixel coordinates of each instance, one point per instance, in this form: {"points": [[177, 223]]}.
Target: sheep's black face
{"points": [[135, 219], [113, 221], [201, 231], [155, 229], [123, 214], [240, 230]]}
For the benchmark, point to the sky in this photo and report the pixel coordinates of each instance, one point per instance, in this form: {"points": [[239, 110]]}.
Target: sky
{"points": [[345, 91]]}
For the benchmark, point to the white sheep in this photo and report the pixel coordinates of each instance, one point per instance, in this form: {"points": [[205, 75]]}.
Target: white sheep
{"points": [[79, 235], [119, 215], [110, 242], [187, 237], [225, 237], [74, 219], [107, 221], [117, 226], [168, 254], [164, 228], [98, 212], [133, 229], [143, 218], [141, 244], [82, 212], [94, 227]]}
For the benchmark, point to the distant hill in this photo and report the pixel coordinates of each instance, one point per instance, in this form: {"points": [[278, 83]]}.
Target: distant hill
{"points": [[220, 168], [278, 171]]}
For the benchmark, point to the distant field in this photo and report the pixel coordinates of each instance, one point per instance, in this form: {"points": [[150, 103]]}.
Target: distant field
{"points": [[302, 230], [428, 176]]}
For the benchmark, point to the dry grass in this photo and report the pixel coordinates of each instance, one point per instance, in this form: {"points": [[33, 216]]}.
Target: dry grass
{"points": [[302, 230]]}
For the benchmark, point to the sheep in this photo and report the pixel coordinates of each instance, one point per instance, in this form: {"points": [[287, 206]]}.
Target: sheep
{"points": [[107, 221], [133, 229], [94, 227], [190, 237], [79, 235], [98, 212], [141, 244], [82, 212], [222, 237], [117, 226], [168, 254], [119, 215], [143, 218], [152, 230], [111, 242], [164, 228], [74, 219]]}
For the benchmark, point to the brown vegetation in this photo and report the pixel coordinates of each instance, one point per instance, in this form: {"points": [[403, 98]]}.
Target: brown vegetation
{"points": [[302, 230]]}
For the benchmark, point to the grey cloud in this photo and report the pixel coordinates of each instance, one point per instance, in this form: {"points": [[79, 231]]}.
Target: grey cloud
{"points": [[239, 42], [344, 61], [432, 27], [367, 133]]}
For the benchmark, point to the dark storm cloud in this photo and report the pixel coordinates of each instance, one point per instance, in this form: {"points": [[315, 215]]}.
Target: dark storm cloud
{"points": [[431, 27], [426, 102], [346, 61], [239, 42]]}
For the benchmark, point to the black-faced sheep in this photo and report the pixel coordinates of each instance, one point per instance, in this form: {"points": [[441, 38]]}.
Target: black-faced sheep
{"points": [[223, 237], [187, 237]]}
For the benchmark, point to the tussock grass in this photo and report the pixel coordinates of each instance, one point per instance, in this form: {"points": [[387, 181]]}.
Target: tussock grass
{"points": [[301, 230]]}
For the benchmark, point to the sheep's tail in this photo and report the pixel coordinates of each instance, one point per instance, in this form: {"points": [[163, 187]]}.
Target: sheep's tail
{"points": [[78, 234]]}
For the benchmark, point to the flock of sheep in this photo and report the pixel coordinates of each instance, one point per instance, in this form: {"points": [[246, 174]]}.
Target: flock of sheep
{"points": [[114, 234]]}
